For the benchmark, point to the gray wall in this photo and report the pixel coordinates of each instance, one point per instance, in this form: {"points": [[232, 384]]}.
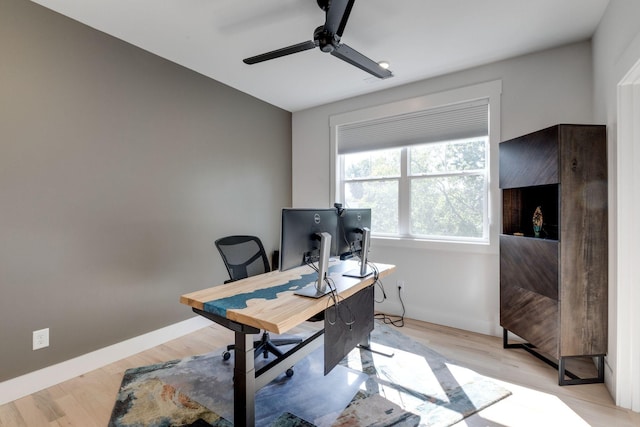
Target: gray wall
{"points": [[118, 169]]}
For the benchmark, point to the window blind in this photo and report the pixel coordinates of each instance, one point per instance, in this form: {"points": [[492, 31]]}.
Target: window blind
{"points": [[451, 122]]}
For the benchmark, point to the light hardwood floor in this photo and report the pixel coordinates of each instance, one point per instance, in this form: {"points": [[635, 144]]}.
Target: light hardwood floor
{"points": [[536, 398]]}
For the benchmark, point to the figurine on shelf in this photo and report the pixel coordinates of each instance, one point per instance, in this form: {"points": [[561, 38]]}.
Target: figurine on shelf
{"points": [[537, 221]]}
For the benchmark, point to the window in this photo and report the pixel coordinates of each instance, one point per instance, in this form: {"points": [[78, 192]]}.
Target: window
{"points": [[424, 172], [433, 191], [372, 180], [448, 189]]}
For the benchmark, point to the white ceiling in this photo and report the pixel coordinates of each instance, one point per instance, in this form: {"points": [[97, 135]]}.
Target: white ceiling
{"points": [[420, 38]]}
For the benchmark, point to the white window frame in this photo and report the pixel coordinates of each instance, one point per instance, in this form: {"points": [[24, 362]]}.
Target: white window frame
{"points": [[492, 92]]}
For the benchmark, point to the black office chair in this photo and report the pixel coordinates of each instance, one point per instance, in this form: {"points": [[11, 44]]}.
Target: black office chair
{"points": [[244, 256]]}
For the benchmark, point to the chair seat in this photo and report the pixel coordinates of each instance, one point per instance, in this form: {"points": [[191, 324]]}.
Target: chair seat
{"points": [[244, 256]]}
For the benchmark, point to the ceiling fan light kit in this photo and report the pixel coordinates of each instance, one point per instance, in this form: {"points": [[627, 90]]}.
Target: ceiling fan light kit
{"points": [[327, 38]]}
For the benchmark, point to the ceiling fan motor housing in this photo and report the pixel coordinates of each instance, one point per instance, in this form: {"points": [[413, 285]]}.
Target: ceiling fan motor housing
{"points": [[326, 41]]}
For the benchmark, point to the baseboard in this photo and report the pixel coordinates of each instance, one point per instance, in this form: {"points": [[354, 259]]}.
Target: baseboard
{"points": [[480, 326], [32, 382]]}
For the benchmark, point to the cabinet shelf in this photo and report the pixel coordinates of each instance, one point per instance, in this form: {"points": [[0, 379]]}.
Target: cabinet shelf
{"points": [[519, 204], [530, 237]]}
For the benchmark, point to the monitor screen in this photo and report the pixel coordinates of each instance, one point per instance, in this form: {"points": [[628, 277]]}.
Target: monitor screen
{"points": [[351, 222], [299, 244]]}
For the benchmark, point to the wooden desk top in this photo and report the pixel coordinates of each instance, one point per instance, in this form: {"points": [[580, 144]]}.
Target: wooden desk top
{"points": [[267, 301]]}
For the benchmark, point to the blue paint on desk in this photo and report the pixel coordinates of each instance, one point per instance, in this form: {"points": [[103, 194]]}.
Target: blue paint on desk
{"points": [[239, 301]]}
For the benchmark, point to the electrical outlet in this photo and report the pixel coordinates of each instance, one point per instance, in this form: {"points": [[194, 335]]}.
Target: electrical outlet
{"points": [[40, 339], [401, 285]]}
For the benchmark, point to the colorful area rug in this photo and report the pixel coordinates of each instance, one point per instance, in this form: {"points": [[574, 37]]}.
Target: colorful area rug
{"points": [[416, 386]]}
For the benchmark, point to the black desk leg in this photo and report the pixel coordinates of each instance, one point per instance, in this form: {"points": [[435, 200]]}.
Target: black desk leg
{"points": [[244, 383], [365, 344]]}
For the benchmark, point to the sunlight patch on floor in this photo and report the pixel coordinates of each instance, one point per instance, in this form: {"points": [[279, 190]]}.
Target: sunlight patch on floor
{"points": [[526, 408]]}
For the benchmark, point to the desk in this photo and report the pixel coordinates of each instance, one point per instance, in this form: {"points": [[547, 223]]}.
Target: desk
{"points": [[267, 301]]}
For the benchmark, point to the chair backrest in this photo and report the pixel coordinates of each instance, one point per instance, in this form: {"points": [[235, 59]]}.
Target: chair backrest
{"points": [[243, 256]]}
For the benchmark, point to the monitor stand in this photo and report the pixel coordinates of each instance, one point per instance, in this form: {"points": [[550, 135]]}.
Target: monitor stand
{"points": [[319, 288], [359, 273], [364, 269], [311, 291]]}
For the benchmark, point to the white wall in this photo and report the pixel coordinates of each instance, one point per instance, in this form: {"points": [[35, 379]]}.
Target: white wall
{"points": [[616, 48], [453, 287]]}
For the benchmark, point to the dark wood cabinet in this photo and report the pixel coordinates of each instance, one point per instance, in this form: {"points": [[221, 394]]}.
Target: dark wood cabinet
{"points": [[553, 285]]}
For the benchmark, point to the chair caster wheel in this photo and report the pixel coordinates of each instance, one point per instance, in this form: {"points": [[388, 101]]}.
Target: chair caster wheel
{"points": [[226, 355], [289, 372]]}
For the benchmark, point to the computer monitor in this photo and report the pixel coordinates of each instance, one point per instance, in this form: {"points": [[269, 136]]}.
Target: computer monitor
{"points": [[308, 236], [354, 235], [351, 223]]}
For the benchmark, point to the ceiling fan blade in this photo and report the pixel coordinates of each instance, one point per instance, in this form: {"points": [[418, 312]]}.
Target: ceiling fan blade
{"points": [[357, 59], [337, 16], [280, 52], [345, 17]]}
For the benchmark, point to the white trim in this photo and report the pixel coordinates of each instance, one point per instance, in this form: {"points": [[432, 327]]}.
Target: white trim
{"points": [[440, 246], [32, 382], [627, 273], [424, 102]]}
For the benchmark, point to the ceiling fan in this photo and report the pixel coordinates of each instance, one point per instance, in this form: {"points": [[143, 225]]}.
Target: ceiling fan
{"points": [[327, 38]]}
